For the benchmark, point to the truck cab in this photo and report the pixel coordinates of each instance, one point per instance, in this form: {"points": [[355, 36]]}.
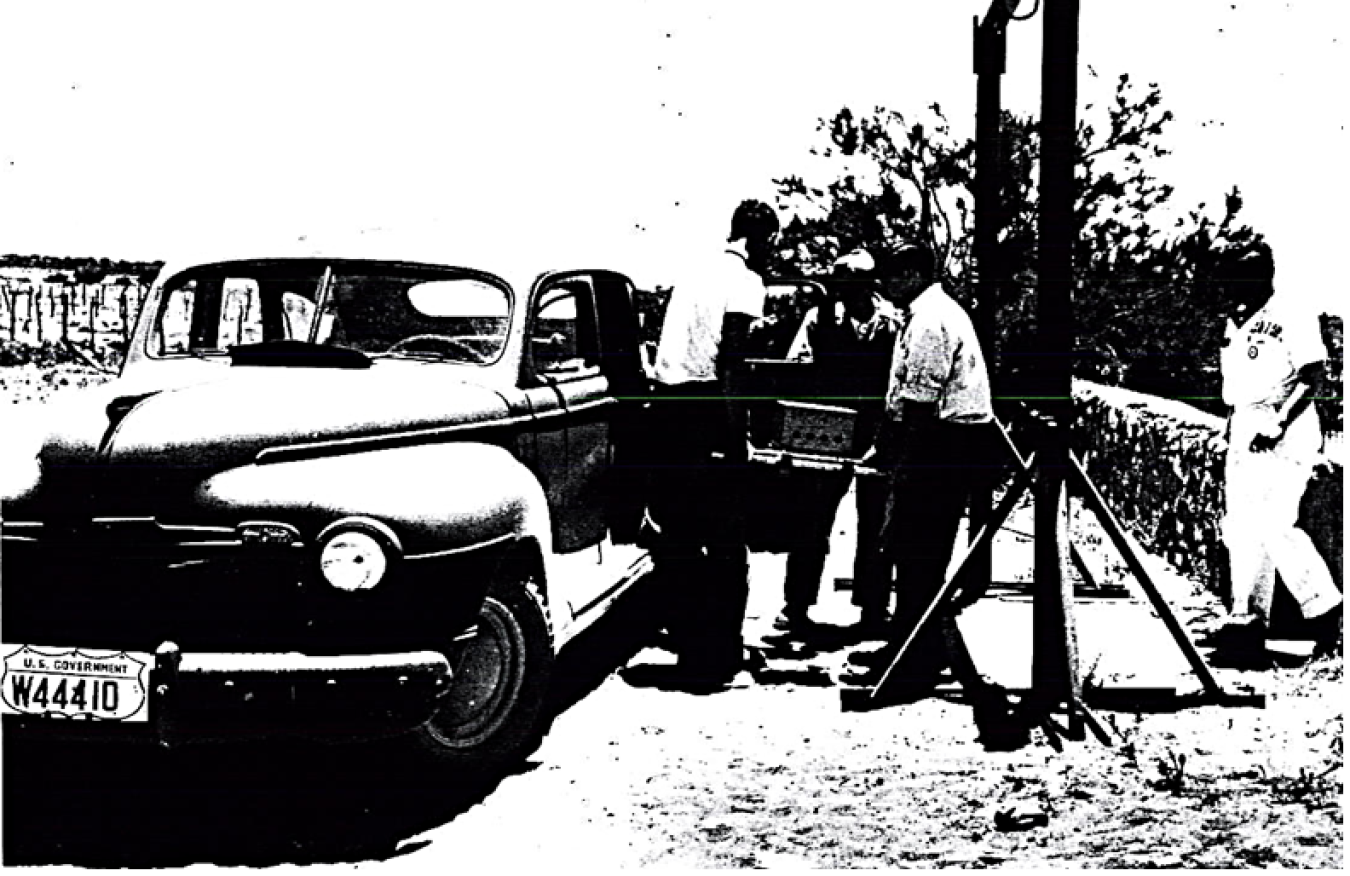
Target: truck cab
{"points": [[333, 496]]}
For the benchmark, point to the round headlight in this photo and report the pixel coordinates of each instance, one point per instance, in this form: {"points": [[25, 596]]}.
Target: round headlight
{"points": [[353, 560]]}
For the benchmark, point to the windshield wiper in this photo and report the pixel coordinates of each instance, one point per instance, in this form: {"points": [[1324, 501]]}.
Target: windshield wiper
{"points": [[298, 354], [321, 303]]}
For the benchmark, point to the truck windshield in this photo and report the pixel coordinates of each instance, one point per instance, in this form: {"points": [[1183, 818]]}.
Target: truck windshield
{"points": [[390, 309]]}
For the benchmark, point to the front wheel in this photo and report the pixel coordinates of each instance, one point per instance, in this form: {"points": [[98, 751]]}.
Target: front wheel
{"points": [[494, 713]]}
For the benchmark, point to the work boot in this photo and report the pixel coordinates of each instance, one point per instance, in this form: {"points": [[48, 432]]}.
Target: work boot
{"points": [[1240, 645], [878, 659], [1240, 637], [1002, 727], [1328, 632], [795, 626], [873, 627]]}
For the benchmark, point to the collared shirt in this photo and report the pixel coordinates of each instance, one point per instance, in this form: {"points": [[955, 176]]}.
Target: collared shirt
{"points": [[852, 355], [1260, 364], [1261, 359], [803, 343], [852, 363], [937, 359], [691, 335]]}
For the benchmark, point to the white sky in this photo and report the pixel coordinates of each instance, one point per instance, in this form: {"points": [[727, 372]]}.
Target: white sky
{"points": [[136, 130]]}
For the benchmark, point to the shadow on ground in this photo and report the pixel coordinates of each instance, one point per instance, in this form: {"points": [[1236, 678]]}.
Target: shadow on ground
{"points": [[105, 805], [110, 806]]}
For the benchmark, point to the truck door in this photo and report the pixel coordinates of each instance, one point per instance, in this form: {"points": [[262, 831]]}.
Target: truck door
{"points": [[574, 439], [621, 361]]}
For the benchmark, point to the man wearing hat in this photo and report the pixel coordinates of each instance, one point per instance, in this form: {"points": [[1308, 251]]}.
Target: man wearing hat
{"points": [[1272, 361], [849, 339], [702, 428], [936, 438]]}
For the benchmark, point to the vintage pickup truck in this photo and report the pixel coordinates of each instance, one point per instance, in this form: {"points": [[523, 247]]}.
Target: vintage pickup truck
{"points": [[339, 497]]}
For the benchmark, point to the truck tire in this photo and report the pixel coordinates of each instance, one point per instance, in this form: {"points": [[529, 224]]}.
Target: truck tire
{"points": [[494, 714]]}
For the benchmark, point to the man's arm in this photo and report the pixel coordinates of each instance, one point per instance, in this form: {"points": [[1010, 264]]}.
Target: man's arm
{"points": [[732, 351], [731, 371], [1310, 378], [898, 431]]}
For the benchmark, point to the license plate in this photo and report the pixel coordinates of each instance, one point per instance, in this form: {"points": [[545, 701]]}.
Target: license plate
{"points": [[75, 683]]}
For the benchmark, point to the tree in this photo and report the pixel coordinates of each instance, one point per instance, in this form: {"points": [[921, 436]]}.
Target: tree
{"points": [[903, 180], [91, 271], [1146, 317], [145, 272]]}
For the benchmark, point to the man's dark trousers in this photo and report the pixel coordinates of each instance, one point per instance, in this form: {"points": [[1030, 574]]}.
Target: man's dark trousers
{"points": [[932, 491], [818, 506], [872, 570], [817, 502], [701, 556]]}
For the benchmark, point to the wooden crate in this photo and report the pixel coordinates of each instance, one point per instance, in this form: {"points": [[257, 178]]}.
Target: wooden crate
{"points": [[810, 429]]}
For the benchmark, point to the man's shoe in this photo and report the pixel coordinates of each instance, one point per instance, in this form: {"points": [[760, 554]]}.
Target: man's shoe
{"points": [[793, 624], [1289, 653], [661, 676], [706, 684], [898, 691], [879, 660], [791, 630], [1240, 646], [1328, 632], [753, 660], [675, 677], [860, 677], [1239, 637], [872, 628], [744, 674], [1002, 727]]}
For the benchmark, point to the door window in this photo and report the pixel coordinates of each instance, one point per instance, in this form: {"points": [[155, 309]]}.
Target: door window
{"points": [[563, 332]]}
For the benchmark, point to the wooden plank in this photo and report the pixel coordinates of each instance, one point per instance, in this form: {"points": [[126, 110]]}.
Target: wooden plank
{"points": [[1125, 545], [1099, 729], [1010, 499], [1074, 553]]}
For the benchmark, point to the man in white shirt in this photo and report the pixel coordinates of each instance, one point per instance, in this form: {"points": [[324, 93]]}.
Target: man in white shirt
{"points": [[937, 438], [1272, 361], [699, 359]]}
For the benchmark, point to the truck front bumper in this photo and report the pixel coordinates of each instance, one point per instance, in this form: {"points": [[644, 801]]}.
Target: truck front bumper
{"points": [[201, 696]]}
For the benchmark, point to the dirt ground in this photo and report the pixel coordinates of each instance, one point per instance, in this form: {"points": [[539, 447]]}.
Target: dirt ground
{"points": [[776, 774]]}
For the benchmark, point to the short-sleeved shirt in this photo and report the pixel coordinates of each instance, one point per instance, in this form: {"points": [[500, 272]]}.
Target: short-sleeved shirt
{"points": [[846, 329], [852, 356], [852, 363], [1261, 359], [691, 335], [937, 360]]}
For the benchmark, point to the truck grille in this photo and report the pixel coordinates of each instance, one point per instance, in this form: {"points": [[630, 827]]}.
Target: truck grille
{"points": [[132, 583]]}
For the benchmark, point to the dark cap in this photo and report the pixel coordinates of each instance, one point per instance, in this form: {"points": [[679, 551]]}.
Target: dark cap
{"points": [[1244, 261], [906, 257], [753, 220]]}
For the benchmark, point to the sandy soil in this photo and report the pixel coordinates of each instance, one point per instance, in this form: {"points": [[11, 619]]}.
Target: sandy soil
{"points": [[776, 774], [29, 384]]}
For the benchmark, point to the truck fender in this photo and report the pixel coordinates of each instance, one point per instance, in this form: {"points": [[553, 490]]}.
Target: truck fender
{"points": [[437, 497]]}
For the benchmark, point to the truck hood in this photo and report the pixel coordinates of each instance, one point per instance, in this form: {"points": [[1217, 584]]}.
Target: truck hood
{"points": [[140, 446]]}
